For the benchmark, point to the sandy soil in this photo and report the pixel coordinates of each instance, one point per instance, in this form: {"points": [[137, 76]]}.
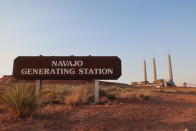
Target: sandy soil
{"points": [[169, 112]]}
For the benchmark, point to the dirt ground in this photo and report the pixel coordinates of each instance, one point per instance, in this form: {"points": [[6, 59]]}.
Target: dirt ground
{"points": [[169, 112]]}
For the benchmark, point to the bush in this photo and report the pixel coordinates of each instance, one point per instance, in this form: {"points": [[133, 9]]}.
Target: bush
{"points": [[135, 94], [20, 100], [114, 93], [72, 99], [104, 100], [81, 95]]}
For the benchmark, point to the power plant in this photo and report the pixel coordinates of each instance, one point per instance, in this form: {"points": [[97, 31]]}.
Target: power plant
{"points": [[156, 82]]}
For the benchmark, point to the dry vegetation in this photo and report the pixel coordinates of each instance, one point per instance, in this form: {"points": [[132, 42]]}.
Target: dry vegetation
{"points": [[177, 90], [128, 93], [81, 95], [60, 99], [20, 100]]}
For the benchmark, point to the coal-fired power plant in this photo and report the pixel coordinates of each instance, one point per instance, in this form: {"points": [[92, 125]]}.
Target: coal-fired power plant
{"points": [[156, 82]]}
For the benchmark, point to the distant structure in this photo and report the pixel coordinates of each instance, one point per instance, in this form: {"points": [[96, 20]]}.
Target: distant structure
{"points": [[184, 84], [145, 82], [156, 82], [170, 82], [155, 70], [145, 72], [170, 69]]}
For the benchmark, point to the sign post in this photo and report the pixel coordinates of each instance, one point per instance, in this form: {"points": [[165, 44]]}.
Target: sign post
{"points": [[38, 88], [96, 91], [67, 68]]}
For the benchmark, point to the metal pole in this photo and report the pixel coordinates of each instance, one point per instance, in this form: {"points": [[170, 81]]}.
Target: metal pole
{"points": [[96, 91], [38, 88]]}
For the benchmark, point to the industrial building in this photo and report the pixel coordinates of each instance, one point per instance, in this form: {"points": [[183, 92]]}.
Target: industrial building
{"points": [[156, 82]]}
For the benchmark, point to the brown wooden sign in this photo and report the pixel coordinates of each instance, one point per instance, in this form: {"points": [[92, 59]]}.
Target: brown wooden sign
{"points": [[67, 68]]}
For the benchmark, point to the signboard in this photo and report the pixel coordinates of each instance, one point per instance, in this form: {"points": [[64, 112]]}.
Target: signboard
{"points": [[67, 67]]}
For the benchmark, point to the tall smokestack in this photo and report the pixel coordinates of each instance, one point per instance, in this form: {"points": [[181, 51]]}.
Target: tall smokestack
{"points": [[155, 70], [145, 73], [170, 69]]}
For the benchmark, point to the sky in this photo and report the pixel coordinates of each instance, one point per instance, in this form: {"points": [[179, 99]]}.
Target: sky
{"points": [[133, 30]]}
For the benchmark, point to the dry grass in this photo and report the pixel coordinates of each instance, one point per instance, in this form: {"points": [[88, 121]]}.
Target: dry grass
{"points": [[105, 100], [74, 95], [128, 93], [3, 88], [59, 99], [56, 93], [72, 99], [177, 90], [81, 95], [135, 94], [20, 100]]}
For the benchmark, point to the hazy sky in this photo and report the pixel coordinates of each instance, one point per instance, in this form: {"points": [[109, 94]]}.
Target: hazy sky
{"points": [[133, 30]]}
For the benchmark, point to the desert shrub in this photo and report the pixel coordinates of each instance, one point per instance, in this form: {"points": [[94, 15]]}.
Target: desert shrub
{"points": [[128, 93], [104, 100], [110, 95], [177, 90], [2, 88], [48, 97], [72, 99], [81, 95], [55, 93], [86, 94], [20, 100], [134, 94], [63, 89]]}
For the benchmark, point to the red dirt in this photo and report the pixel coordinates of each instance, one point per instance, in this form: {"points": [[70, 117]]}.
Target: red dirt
{"points": [[167, 113], [6, 79]]}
